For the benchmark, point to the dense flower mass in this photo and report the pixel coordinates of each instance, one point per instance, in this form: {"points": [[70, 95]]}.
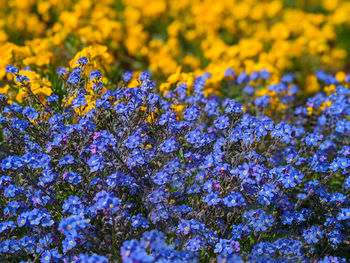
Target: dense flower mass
{"points": [[174, 131], [140, 177], [174, 39]]}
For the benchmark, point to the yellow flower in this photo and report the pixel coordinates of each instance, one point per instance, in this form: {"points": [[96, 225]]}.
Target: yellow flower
{"points": [[178, 109], [312, 85], [310, 110], [329, 89], [330, 4], [173, 78], [340, 76], [325, 105], [4, 89]]}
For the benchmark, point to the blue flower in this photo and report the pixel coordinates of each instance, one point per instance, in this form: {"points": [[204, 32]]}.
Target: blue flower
{"points": [[312, 139], [74, 77], [82, 258], [229, 72], [45, 257], [212, 199], [233, 106], [195, 244], [287, 78], [161, 177], [68, 159], [138, 220], [264, 74], [234, 199], [192, 113], [344, 214], [96, 163], [60, 71], [227, 247], [262, 101], [184, 227], [11, 162], [127, 76], [133, 141], [312, 235], [331, 259], [31, 113], [222, 122], [249, 90], [21, 78], [11, 69], [82, 61], [95, 74], [242, 77], [169, 145]]}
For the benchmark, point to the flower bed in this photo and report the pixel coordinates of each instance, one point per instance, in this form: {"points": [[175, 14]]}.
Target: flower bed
{"points": [[184, 178]]}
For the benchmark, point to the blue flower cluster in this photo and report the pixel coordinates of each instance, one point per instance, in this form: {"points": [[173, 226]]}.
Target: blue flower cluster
{"points": [[135, 180]]}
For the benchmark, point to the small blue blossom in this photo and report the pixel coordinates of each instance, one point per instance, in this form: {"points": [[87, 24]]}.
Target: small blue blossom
{"points": [[82, 61], [11, 69], [95, 74], [74, 77], [169, 145]]}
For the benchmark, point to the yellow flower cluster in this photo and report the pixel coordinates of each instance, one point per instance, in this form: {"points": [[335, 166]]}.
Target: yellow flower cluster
{"points": [[174, 39]]}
